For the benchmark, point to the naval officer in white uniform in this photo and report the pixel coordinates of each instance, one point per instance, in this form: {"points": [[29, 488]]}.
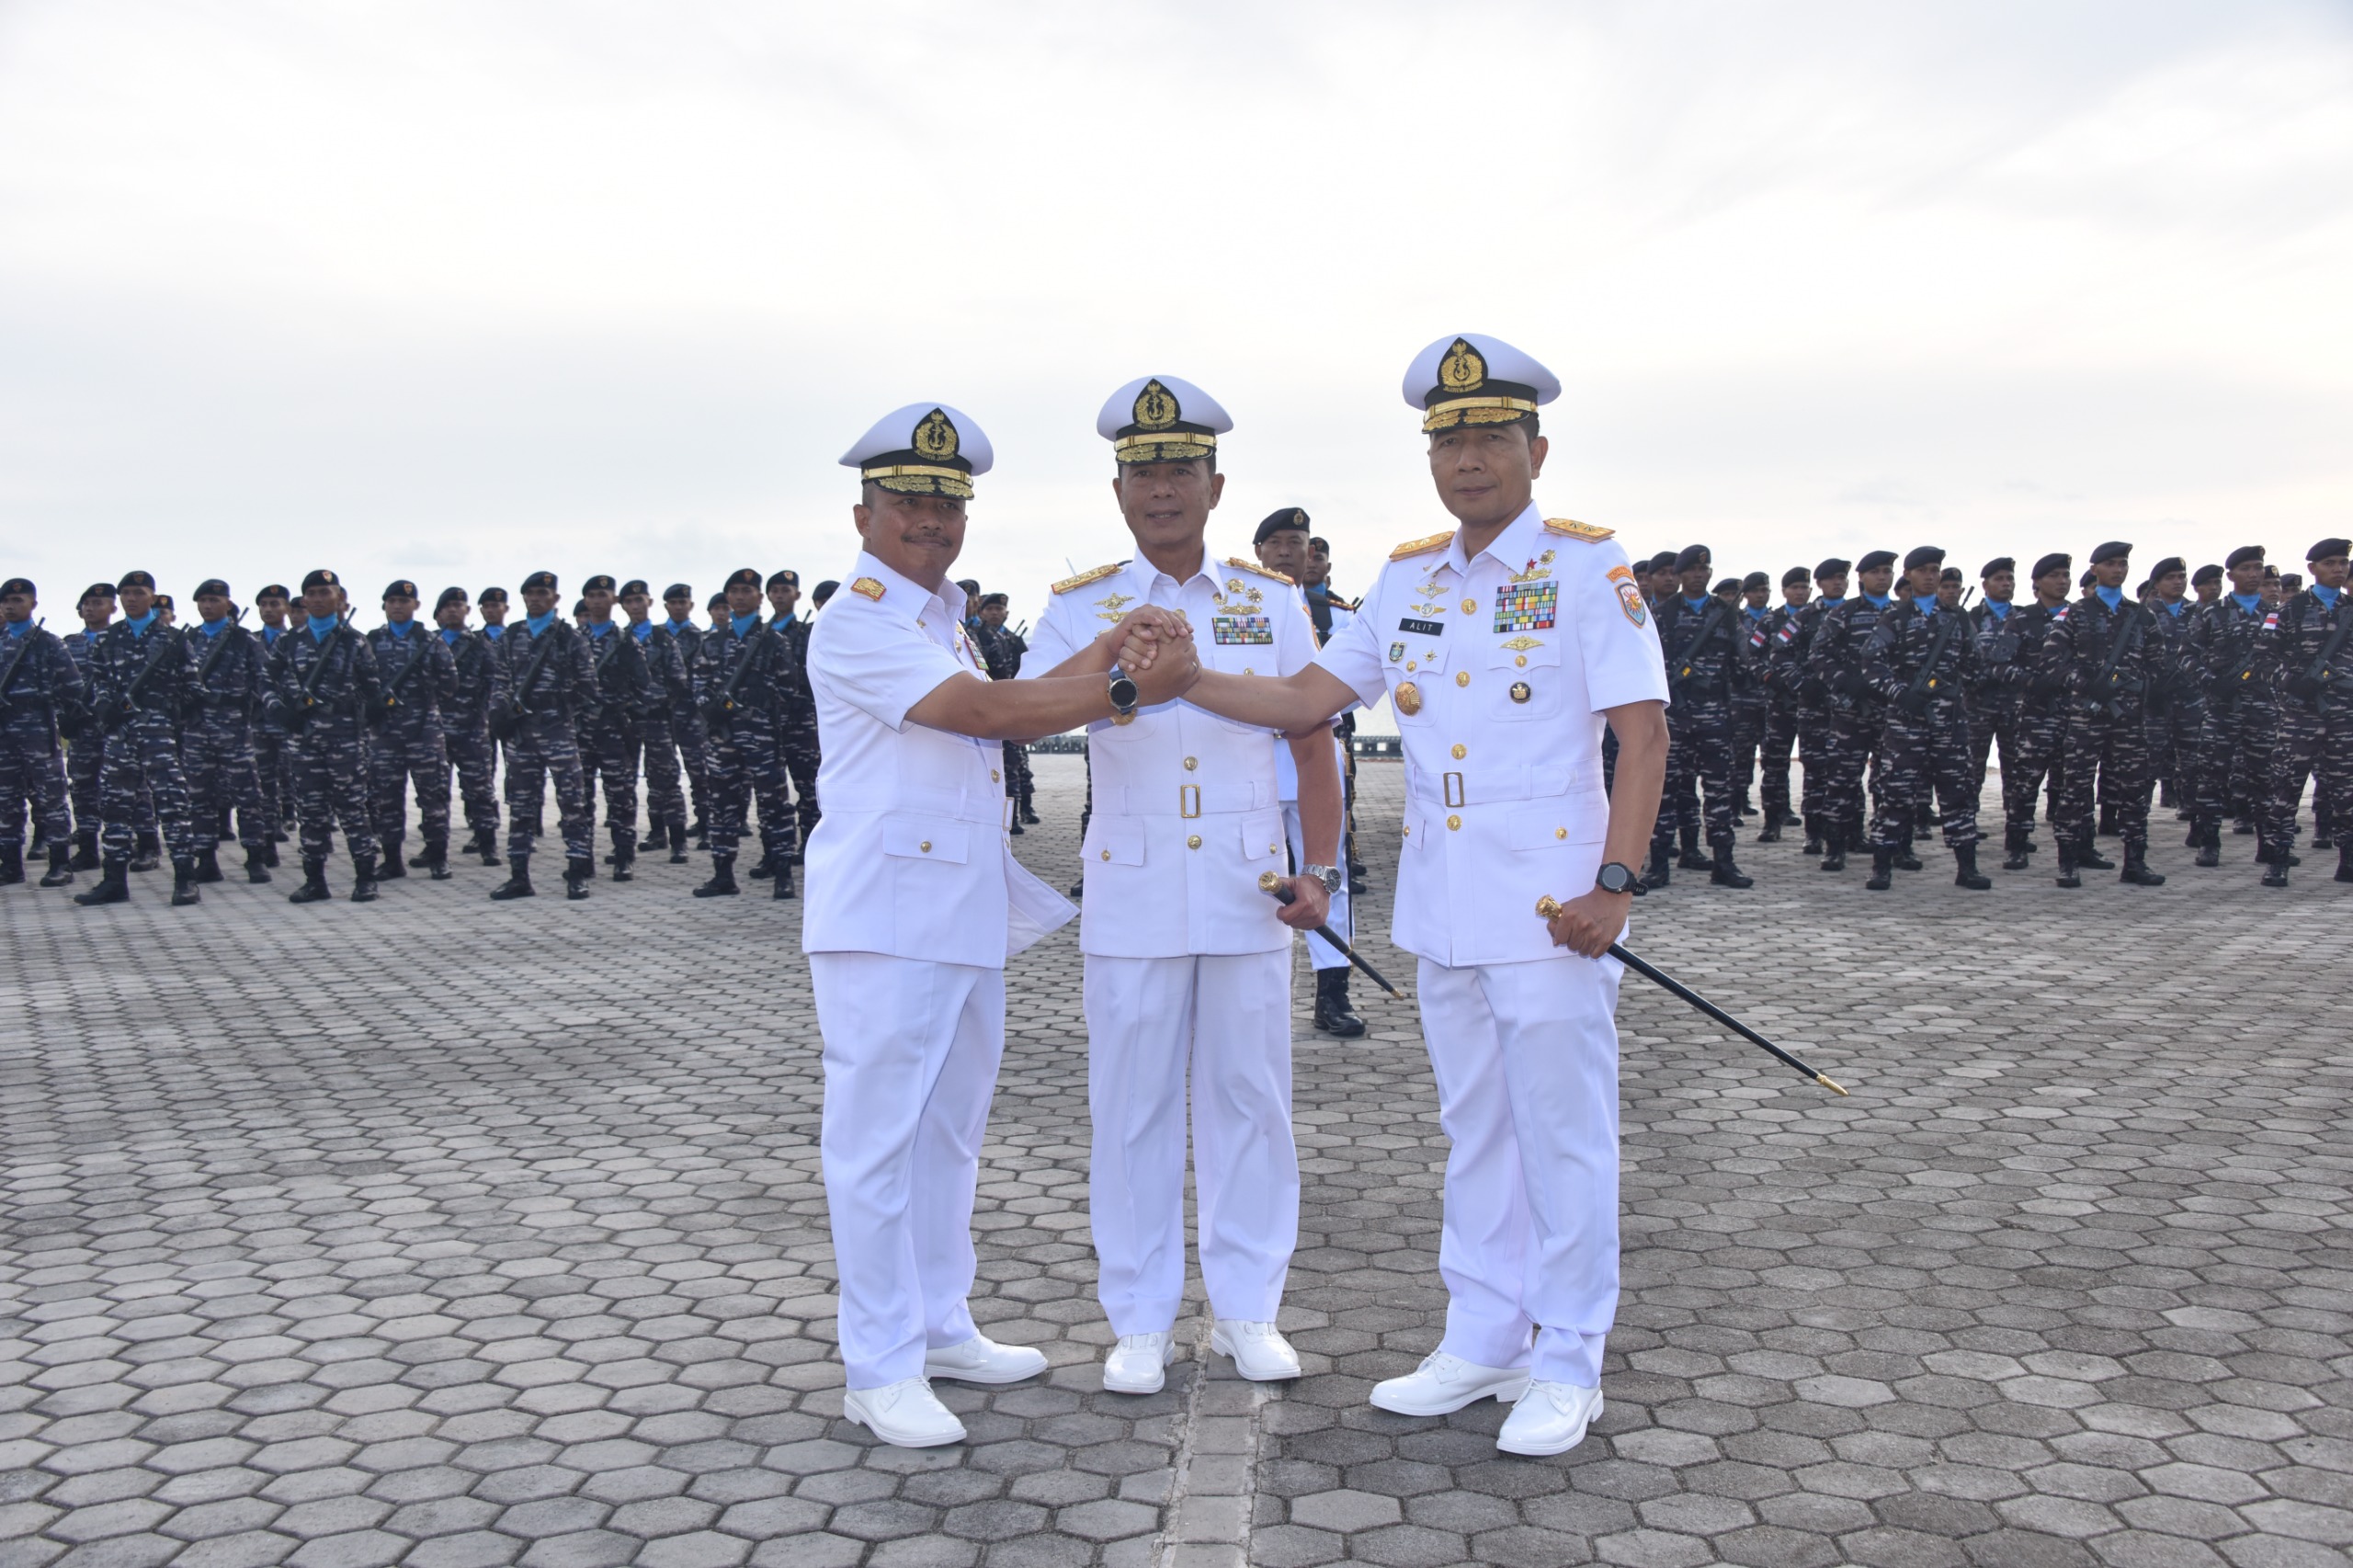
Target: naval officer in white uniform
{"points": [[1504, 645], [1187, 960], [913, 902]]}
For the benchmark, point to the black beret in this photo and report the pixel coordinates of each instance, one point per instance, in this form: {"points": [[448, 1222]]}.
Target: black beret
{"points": [[1925, 555], [2114, 550], [491, 597], [1757, 579], [1662, 561], [449, 597], [2087, 579], [1949, 574], [1999, 564], [272, 591], [2244, 555], [678, 591], [1275, 522], [97, 591], [539, 580], [601, 580], [636, 586], [212, 585], [15, 586], [401, 588], [2204, 574], [823, 591], [1834, 567], [1795, 574], [784, 579], [718, 601], [2328, 548], [742, 577], [1693, 557], [138, 580], [166, 600], [322, 578], [1876, 559], [2170, 563], [1729, 585], [988, 599]]}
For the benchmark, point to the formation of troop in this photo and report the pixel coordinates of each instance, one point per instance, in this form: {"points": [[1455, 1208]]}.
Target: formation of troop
{"points": [[134, 738], [2218, 694]]}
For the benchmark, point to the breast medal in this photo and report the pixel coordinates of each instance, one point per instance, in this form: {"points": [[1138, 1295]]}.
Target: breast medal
{"points": [[1407, 697]]}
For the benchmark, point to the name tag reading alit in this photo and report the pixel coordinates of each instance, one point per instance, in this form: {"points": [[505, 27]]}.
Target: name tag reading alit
{"points": [[1423, 628], [1243, 631]]}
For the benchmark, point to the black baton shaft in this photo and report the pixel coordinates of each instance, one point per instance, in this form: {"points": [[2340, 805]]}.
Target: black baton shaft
{"points": [[1274, 886]]}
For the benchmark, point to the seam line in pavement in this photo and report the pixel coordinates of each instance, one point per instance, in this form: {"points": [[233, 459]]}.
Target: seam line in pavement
{"points": [[1215, 1483]]}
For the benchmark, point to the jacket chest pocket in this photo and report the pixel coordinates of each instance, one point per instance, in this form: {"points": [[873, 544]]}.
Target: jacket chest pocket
{"points": [[917, 838], [1523, 678]]}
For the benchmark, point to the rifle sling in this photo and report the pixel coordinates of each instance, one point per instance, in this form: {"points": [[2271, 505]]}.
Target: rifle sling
{"points": [[1927, 672]]}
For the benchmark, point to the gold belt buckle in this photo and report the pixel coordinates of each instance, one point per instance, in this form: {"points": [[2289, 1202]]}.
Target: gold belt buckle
{"points": [[1454, 790], [1188, 799]]}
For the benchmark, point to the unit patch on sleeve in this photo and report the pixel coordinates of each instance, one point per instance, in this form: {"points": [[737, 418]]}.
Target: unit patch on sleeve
{"points": [[1527, 607]]}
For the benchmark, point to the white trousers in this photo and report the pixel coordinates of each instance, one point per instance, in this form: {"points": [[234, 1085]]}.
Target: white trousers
{"points": [[911, 1060], [1321, 953], [1226, 1017], [1526, 1056]]}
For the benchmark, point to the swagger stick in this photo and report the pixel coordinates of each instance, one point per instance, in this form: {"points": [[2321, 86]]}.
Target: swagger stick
{"points": [[1279, 890], [1548, 906]]}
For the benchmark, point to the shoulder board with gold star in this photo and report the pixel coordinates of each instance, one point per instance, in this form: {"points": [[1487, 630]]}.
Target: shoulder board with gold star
{"points": [[1422, 546], [1572, 529], [1241, 565], [1097, 575]]}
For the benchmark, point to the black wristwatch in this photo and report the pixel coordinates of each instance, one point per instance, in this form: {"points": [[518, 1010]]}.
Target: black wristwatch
{"points": [[1614, 877], [1122, 692]]}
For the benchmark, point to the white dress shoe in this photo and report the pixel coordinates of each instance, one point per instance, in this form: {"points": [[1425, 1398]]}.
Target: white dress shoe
{"points": [[1550, 1419], [906, 1414], [1260, 1352], [981, 1359], [1443, 1384], [1139, 1363]]}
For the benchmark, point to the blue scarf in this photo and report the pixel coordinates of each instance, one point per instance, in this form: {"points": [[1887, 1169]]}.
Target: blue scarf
{"points": [[140, 624], [451, 634], [399, 628], [1826, 603], [2327, 596], [597, 629], [320, 625], [2248, 602], [1927, 606], [19, 628], [642, 631], [743, 623], [2112, 598], [213, 628], [1878, 601], [270, 635], [494, 632], [540, 623], [1999, 609], [677, 626], [2172, 607], [1698, 605]]}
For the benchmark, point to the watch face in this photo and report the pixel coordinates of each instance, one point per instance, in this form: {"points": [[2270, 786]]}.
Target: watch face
{"points": [[1615, 878]]}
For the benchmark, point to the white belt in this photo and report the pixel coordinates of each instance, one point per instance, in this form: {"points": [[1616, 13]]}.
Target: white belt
{"points": [[1487, 786], [1186, 800]]}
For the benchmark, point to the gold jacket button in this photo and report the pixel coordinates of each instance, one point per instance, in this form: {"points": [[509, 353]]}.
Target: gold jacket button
{"points": [[1191, 762], [1106, 853], [1454, 824], [1462, 678], [1520, 659], [1192, 841], [1470, 606], [924, 847], [1560, 833], [1274, 848], [1460, 751], [992, 777]]}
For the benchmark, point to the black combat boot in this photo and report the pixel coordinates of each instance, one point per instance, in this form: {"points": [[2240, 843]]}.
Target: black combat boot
{"points": [[2106, 821], [519, 880], [2067, 876], [86, 850], [1905, 860], [2089, 859], [2243, 827], [2013, 840], [1771, 832], [624, 857], [184, 878], [783, 887], [1882, 875], [765, 868], [2323, 838], [146, 852], [1014, 826], [1333, 1014], [424, 857], [2210, 845], [113, 885], [208, 864], [490, 856], [699, 831], [257, 863], [2275, 872], [1654, 875], [363, 879], [269, 849], [315, 884], [12, 863], [393, 866], [578, 872], [679, 840], [2344, 863], [1965, 872], [1722, 873], [1030, 808], [1812, 838], [1692, 858], [722, 879], [60, 867], [2136, 870]]}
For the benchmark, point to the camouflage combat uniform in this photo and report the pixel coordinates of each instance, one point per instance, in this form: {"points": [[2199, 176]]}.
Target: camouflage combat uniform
{"points": [[742, 710], [608, 733], [40, 699], [407, 743], [325, 687], [1921, 663], [544, 744], [226, 688]]}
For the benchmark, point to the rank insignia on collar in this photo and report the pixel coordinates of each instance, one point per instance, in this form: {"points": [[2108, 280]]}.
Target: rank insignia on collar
{"points": [[869, 588], [1570, 527]]}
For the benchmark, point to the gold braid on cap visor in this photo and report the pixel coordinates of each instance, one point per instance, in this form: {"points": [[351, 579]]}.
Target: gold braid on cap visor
{"points": [[1166, 446], [1476, 411], [920, 478]]}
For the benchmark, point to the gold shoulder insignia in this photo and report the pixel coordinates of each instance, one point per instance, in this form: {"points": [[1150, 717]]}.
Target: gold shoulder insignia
{"points": [[1422, 546], [1241, 565], [1067, 583], [1589, 532], [869, 588]]}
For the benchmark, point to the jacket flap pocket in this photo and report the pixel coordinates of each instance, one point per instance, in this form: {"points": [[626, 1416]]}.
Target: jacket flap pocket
{"points": [[928, 838], [1115, 841], [1262, 835], [1558, 823]]}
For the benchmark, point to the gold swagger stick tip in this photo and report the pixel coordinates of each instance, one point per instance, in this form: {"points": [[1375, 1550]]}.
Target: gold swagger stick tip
{"points": [[1827, 1082]]}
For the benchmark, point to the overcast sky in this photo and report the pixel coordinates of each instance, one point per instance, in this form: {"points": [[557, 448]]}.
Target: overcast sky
{"points": [[458, 291]]}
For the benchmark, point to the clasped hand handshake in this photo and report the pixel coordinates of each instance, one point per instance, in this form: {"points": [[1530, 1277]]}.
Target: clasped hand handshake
{"points": [[1155, 648]]}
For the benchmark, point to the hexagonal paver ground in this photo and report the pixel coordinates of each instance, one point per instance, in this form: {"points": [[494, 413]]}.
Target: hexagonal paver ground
{"points": [[445, 1233]]}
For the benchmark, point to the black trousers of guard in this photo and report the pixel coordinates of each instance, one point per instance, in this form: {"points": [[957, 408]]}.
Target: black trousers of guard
{"points": [[1924, 756], [2115, 747]]}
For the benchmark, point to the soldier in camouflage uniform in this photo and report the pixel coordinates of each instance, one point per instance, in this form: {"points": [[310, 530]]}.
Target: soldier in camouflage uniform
{"points": [[140, 672], [492, 603], [1790, 656], [1921, 662], [1001, 650], [1779, 678], [323, 685], [1994, 700], [2104, 647], [740, 679], [607, 731], [1752, 705], [546, 686], [797, 720], [1852, 734], [1706, 649], [40, 699], [465, 723], [668, 689], [86, 745], [273, 749], [2306, 646], [2240, 728], [225, 691], [419, 674], [685, 724], [2177, 700]]}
